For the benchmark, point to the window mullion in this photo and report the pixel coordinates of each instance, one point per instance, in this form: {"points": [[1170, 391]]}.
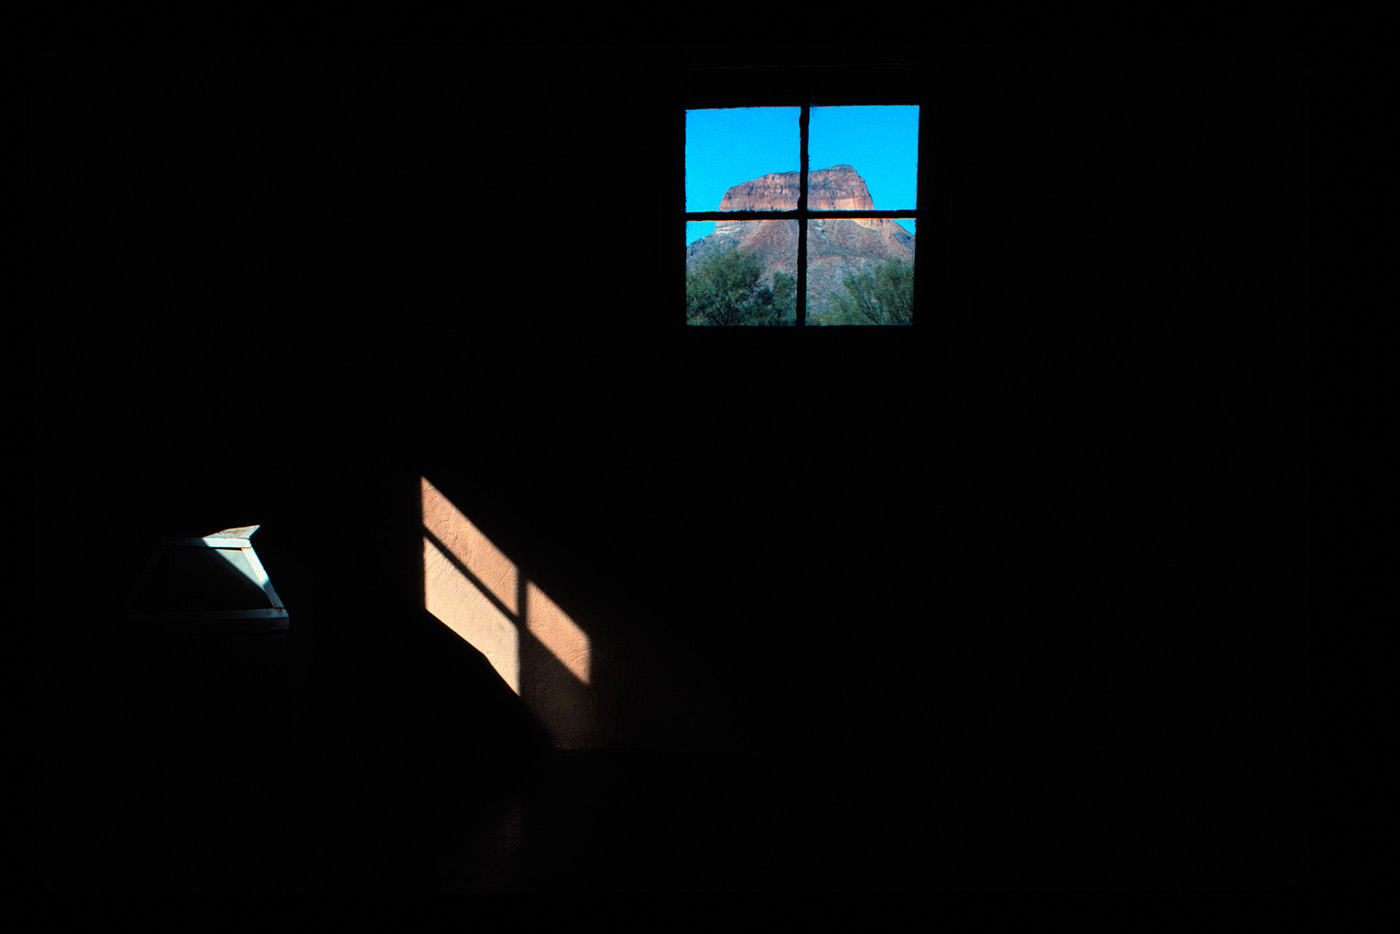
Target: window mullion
{"points": [[801, 303]]}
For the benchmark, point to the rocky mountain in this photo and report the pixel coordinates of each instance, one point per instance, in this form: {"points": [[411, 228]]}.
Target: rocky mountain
{"points": [[835, 248]]}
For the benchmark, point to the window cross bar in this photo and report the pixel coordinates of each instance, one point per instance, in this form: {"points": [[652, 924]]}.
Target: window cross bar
{"points": [[790, 215]]}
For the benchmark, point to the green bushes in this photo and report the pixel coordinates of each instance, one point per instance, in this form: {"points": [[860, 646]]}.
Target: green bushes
{"points": [[724, 290], [884, 295]]}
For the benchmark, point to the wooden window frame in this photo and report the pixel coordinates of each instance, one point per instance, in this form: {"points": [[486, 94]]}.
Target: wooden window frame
{"points": [[731, 88]]}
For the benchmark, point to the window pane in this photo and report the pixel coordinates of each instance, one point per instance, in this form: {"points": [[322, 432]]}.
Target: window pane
{"points": [[881, 144], [745, 273], [697, 230], [876, 255], [728, 148]]}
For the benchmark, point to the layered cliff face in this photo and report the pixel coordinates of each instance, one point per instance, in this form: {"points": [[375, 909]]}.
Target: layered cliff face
{"points": [[836, 248], [839, 188]]}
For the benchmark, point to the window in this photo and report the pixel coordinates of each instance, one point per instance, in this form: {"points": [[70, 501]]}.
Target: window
{"points": [[210, 584], [802, 215]]}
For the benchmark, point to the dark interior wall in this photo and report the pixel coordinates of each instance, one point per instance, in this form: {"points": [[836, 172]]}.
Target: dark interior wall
{"points": [[1039, 557]]}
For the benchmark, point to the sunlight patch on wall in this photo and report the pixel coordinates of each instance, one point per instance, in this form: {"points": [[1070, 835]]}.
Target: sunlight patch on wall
{"points": [[557, 632], [464, 608], [476, 591], [481, 558]]}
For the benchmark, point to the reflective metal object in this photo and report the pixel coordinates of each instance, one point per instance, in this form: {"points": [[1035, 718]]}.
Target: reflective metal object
{"points": [[210, 584]]}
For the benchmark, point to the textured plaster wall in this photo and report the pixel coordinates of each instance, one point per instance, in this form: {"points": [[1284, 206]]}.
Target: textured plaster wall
{"points": [[474, 589], [465, 608]]}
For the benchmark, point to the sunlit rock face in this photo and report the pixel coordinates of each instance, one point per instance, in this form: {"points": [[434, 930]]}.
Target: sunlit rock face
{"points": [[839, 188], [836, 248]]}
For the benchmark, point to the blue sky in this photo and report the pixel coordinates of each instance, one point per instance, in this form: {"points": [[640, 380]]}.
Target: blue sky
{"points": [[726, 147]]}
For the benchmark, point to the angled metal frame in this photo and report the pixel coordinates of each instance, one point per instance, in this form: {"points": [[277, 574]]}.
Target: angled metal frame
{"points": [[273, 617]]}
